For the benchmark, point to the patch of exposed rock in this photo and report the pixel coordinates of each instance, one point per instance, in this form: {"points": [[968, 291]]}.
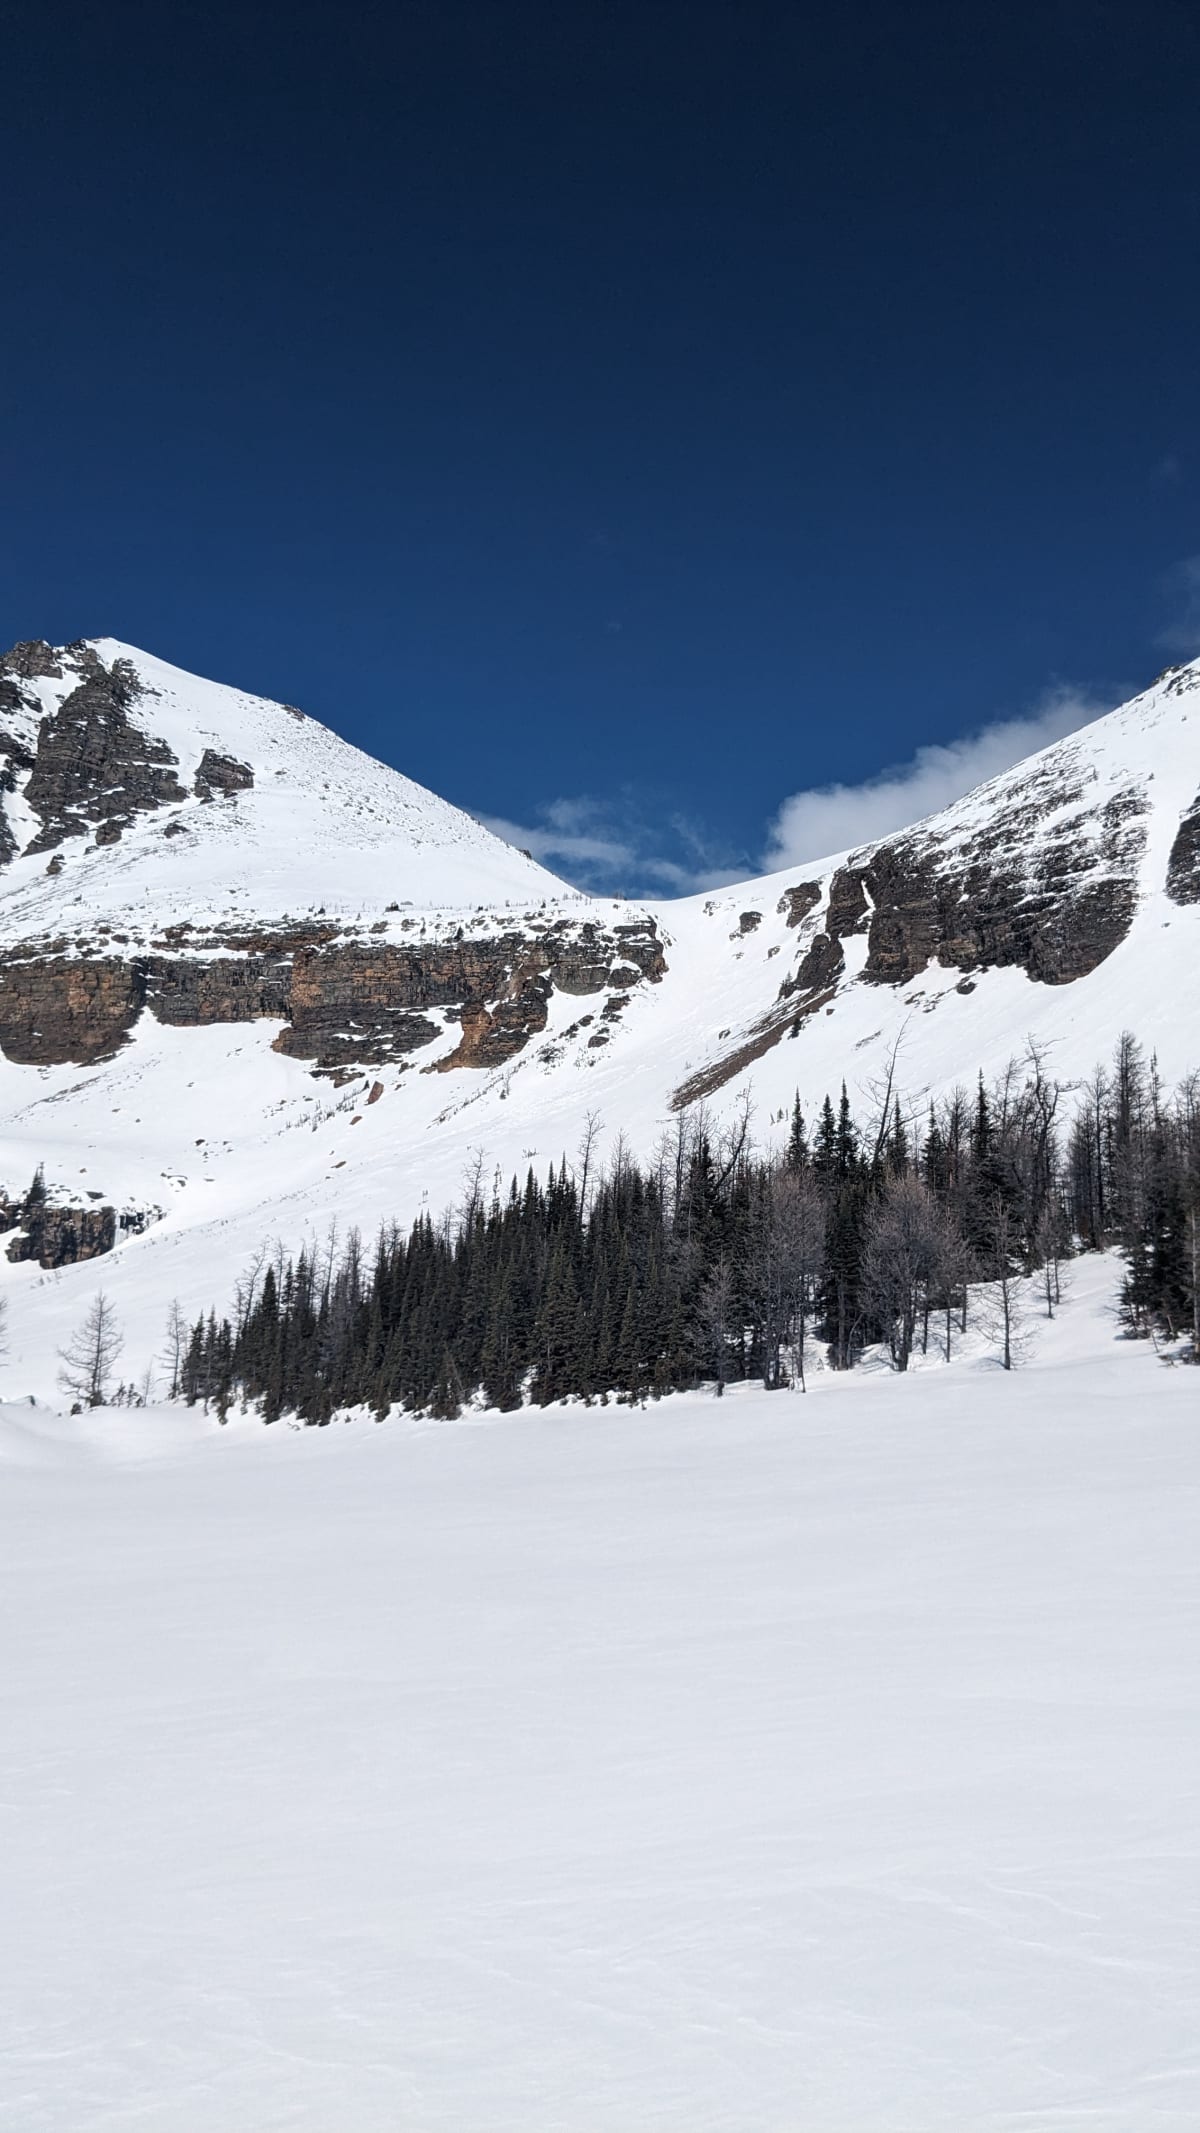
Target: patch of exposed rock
{"points": [[344, 1004], [32, 661], [798, 901], [1045, 884], [94, 769], [352, 1005], [221, 774], [62, 1236], [54, 1235], [1183, 866]]}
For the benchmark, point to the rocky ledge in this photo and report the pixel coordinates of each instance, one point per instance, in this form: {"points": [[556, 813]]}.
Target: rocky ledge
{"points": [[344, 1004], [1183, 867], [1047, 884], [1045, 879]]}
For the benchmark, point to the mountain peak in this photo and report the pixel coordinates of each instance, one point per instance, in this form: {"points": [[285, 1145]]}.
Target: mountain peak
{"points": [[215, 795]]}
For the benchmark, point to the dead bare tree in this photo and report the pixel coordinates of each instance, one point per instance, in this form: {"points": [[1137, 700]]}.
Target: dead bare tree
{"points": [[716, 1312], [1051, 1239], [178, 1335], [953, 1279], [89, 1357], [246, 1289], [472, 1187], [902, 1260], [593, 1126], [735, 1143], [1002, 1312], [785, 1257], [882, 1094]]}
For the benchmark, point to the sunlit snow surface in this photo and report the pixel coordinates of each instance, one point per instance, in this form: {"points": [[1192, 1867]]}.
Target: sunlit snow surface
{"points": [[797, 1764], [324, 826]]}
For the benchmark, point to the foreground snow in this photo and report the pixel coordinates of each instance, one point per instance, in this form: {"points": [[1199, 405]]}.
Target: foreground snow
{"points": [[787, 1763]]}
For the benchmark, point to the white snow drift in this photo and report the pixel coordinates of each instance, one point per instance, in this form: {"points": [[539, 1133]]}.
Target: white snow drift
{"points": [[819, 1764]]}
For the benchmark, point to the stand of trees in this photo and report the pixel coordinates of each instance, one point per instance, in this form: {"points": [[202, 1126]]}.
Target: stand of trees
{"points": [[714, 1264]]}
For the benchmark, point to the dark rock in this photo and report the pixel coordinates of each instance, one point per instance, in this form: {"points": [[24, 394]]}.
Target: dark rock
{"points": [[14, 757], [848, 912], [31, 661], [93, 766], [1183, 866], [749, 921], [1039, 886], [821, 966], [346, 1005], [221, 774], [798, 901], [186, 992], [358, 1005], [62, 1008], [62, 1236]]}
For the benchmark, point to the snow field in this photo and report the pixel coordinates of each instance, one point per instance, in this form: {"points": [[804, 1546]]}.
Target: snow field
{"points": [[799, 1763]]}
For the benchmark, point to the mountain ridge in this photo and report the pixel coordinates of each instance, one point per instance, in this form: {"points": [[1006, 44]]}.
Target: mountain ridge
{"points": [[240, 1030]]}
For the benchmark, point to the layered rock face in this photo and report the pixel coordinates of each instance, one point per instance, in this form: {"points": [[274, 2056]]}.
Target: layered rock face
{"points": [[221, 774], [1054, 906], [55, 1236], [94, 769], [1183, 867], [87, 769], [1035, 872], [62, 1236], [345, 1004], [1044, 883], [352, 1006]]}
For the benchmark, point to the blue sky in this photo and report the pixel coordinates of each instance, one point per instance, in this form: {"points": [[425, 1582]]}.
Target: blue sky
{"points": [[622, 418]]}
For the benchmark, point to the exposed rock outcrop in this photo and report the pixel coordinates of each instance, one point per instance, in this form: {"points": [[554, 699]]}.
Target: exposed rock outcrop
{"points": [[799, 900], [1183, 867], [61, 1236], [1043, 881], [353, 1005], [344, 1003], [221, 774], [1043, 884], [93, 766], [185, 991], [59, 1008], [820, 966], [32, 660]]}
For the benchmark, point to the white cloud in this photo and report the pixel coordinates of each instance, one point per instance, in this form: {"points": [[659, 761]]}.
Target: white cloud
{"points": [[825, 819], [606, 846], [1182, 635], [614, 845]]}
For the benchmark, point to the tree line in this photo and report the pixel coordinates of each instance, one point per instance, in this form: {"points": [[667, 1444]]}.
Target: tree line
{"points": [[714, 1262]]}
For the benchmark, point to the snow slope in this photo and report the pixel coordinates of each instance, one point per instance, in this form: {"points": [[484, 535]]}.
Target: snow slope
{"points": [[232, 1143], [816, 1765], [324, 825]]}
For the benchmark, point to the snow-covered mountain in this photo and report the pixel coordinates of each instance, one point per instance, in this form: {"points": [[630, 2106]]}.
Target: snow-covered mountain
{"points": [[252, 982], [165, 798]]}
